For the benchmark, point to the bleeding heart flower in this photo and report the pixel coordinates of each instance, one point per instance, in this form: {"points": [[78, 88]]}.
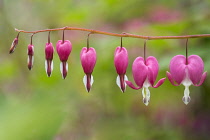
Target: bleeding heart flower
{"points": [[63, 49], [187, 72], [145, 73], [121, 64], [30, 56], [88, 61], [49, 50]]}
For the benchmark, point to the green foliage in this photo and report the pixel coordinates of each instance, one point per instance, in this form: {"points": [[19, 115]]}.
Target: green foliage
{"points": [[35, 107]]}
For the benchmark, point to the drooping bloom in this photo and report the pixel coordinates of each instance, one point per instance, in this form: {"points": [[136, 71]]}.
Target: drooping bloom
{"points": [[187, 72], [145, 73], [13, 46], [63, 49], [121, 64], [88, 61], [49, 50], [30, 56]]}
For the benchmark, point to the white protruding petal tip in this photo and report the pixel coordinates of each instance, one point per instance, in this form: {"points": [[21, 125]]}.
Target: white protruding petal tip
{"points": [[91, 80], [45, 65], [118, 81], [125, 79], [51, 66], [67, 66], [61, 68], [85, 81]]}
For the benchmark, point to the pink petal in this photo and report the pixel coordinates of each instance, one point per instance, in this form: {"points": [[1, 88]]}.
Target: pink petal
{"points": [[63, 49], [49, 50], [159, 83], [195, 68], [171, 79], [153, 69], [139, 70], [121, 60], [203, 77], [177, 68], [88, 59], [30, 49], [130, 84]]}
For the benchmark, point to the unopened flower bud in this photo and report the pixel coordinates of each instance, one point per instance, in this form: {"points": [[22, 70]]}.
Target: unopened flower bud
{"points": [[49, 50], [30, 56], [13, 46]]}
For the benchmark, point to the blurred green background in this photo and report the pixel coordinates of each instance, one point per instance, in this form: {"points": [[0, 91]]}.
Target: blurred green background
{"points": [[35, 107]]}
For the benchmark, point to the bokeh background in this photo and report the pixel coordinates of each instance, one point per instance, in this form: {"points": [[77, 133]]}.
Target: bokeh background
{"points": [[35, 107]]}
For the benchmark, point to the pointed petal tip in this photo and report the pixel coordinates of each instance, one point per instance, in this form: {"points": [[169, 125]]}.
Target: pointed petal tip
{"points": [[145, 101], [186, 100], [159, 83], [130, 84], [203, 77], [29, 67], [64, 77], [171, 79], [48, 74], [11, 51]]}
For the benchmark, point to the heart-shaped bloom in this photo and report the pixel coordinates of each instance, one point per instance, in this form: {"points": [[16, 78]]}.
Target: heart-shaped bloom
{"points": [[30, 56], [121, 64], [88, 61], [49, 50], [187, 72], [63, 49], [145, 73]]}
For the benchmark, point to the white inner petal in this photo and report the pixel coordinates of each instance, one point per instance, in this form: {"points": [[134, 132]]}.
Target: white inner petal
{"points": [[52, 66], [46, 65], [146, 92], [91, 81], [67, 67], [125, 79], [186, 82], [61, 68], [118, 81], [85, 81]]}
